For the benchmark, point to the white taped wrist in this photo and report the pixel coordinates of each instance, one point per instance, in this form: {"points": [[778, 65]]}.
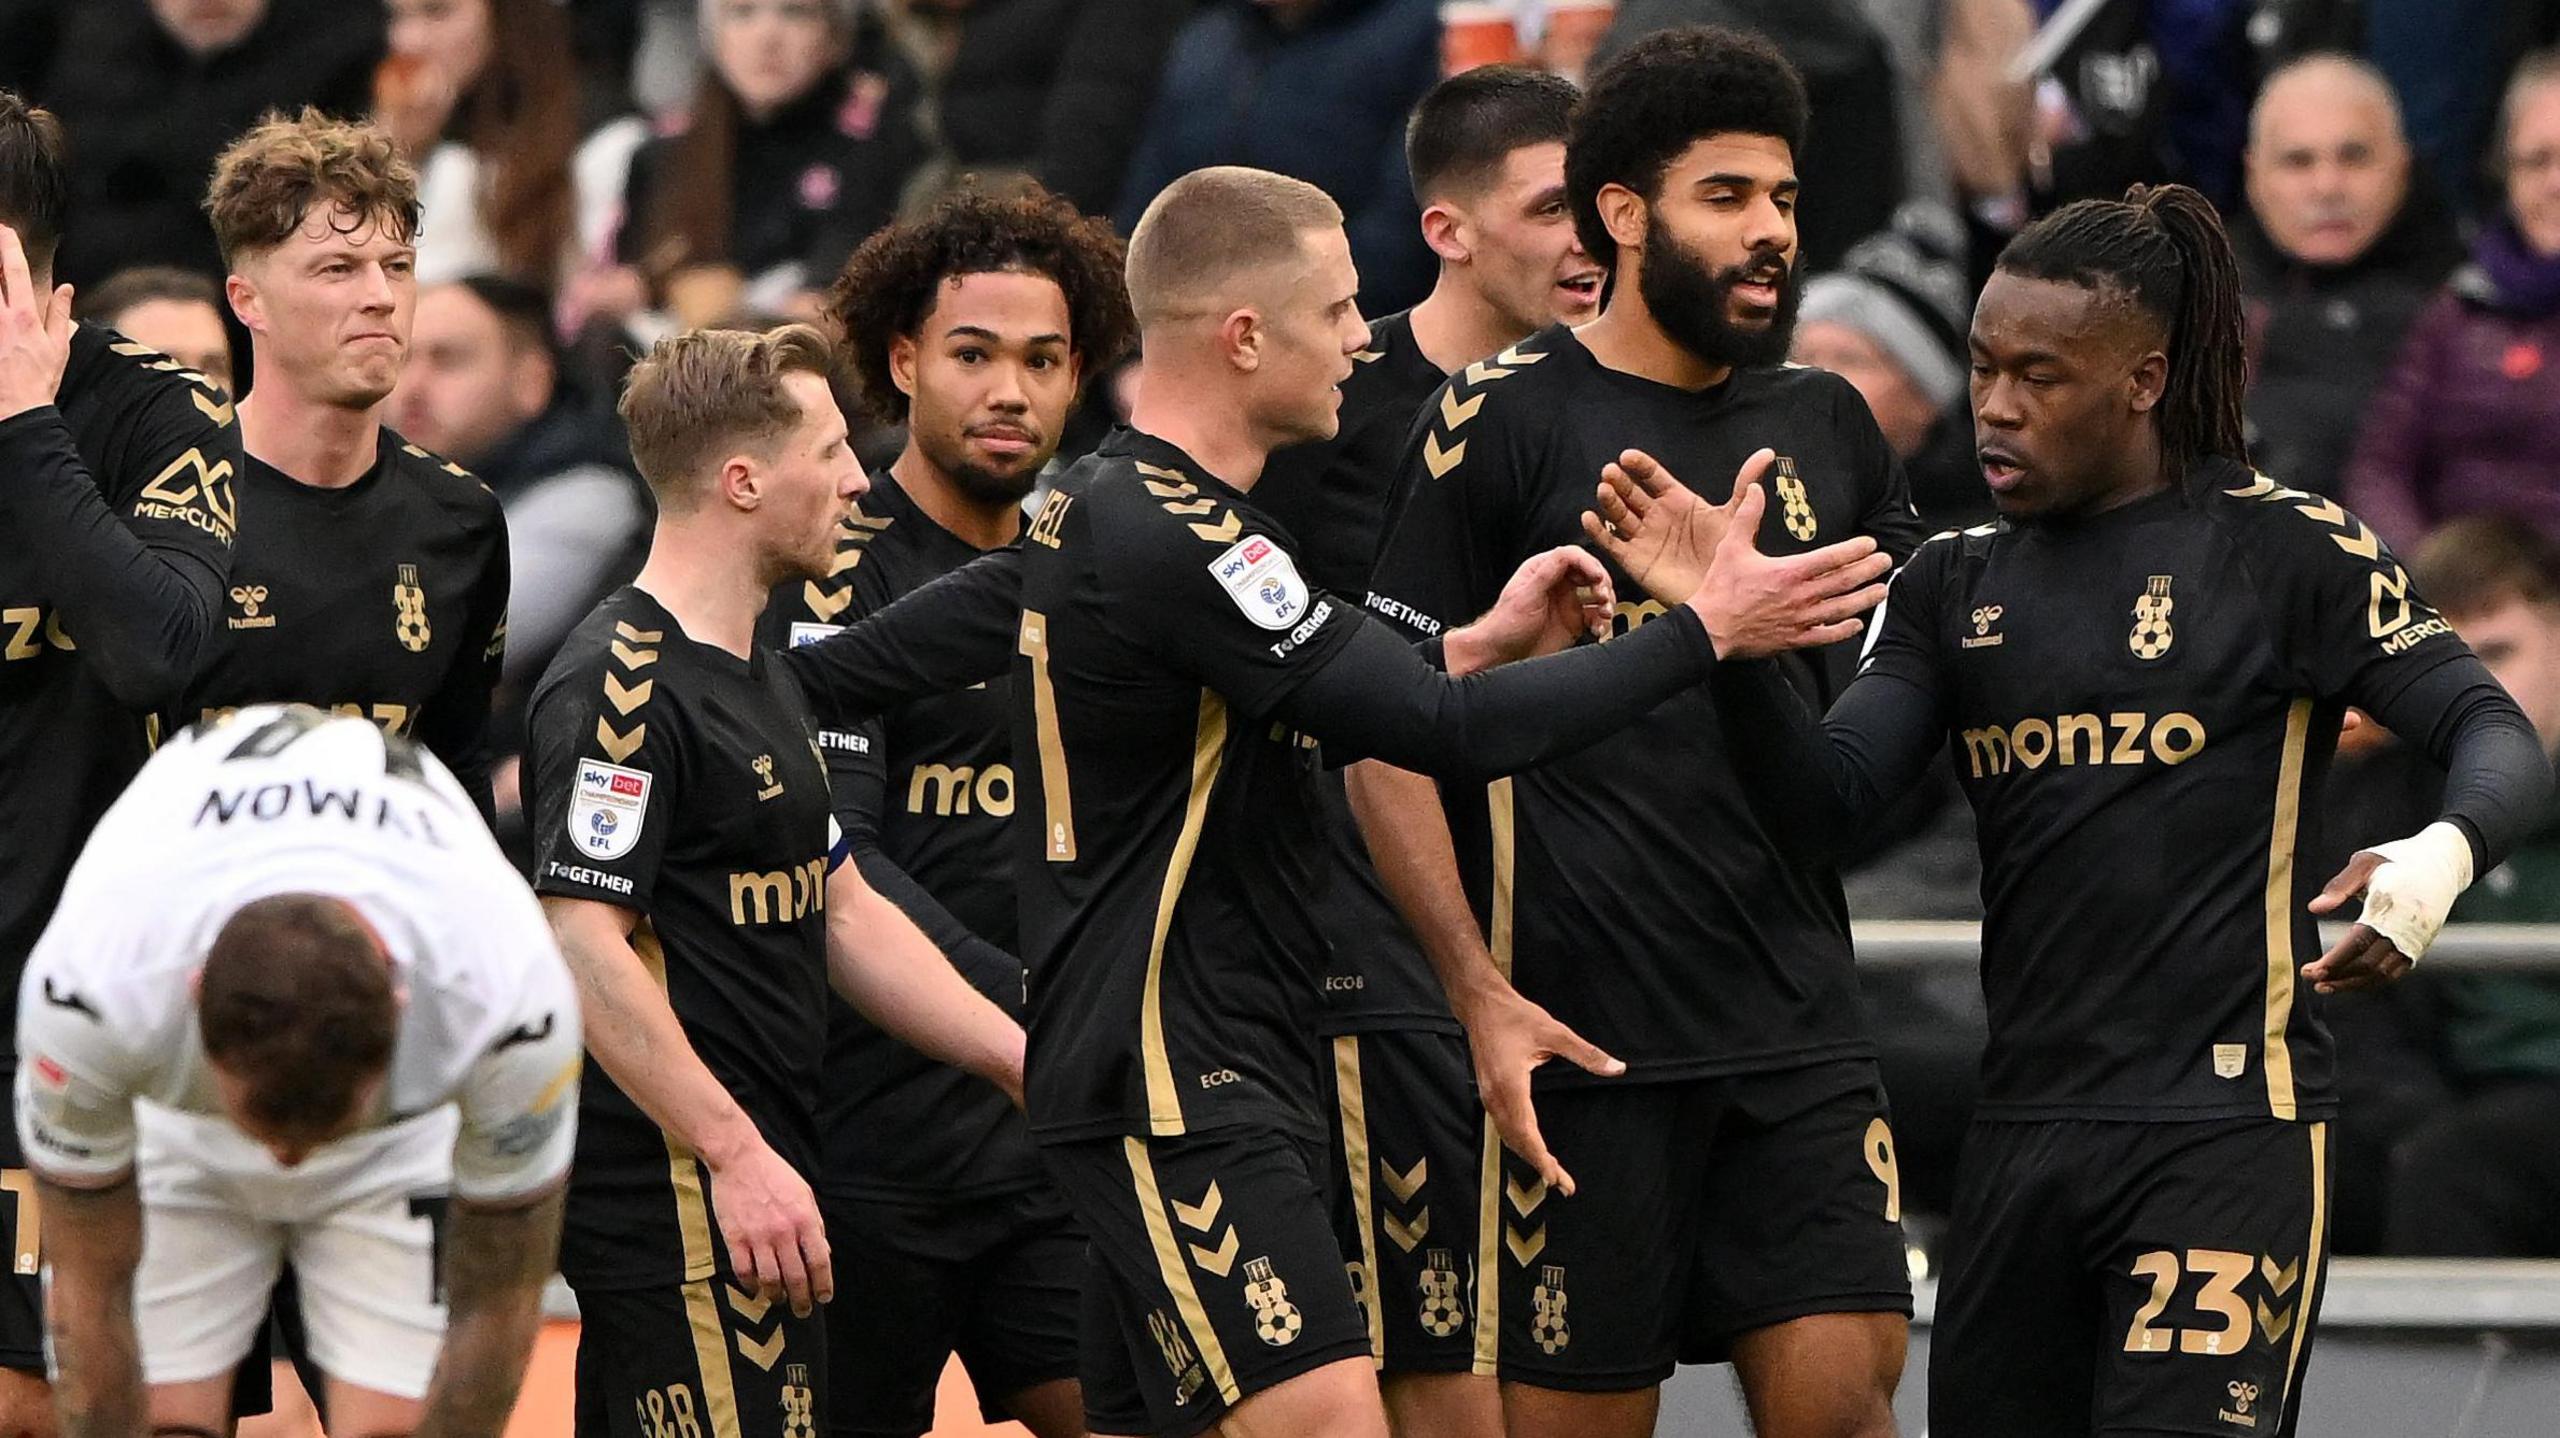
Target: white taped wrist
{"points": [[2407, 898]]}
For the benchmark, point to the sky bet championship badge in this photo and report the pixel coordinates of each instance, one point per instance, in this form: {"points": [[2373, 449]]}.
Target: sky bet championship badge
{"points": [[606, 813]]}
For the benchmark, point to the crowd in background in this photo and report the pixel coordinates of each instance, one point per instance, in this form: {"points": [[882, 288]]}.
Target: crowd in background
{"points": [[596, 173]]}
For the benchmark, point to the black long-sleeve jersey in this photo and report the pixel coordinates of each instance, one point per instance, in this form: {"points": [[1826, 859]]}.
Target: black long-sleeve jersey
{"points": [[925, 795], [2141, 706], [386, 599], [1629, 888], [677, 780], [1334, 496], [118, 512], [1174, 675]]}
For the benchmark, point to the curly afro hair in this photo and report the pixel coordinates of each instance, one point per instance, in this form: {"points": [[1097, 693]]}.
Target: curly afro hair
{"points": [[892, 282], [1663, 94]]}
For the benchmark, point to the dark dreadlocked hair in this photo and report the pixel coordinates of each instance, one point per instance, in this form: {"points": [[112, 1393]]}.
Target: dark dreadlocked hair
{"points": [[2163, 248]]}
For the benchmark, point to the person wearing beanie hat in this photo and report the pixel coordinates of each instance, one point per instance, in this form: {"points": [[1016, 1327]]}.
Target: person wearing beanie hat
{"points": [[1891, 322]]}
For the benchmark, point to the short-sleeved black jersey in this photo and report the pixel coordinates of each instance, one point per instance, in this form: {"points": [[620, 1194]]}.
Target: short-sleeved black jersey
{"points": [[160, 443], [681, 782], [2141, 707], [1333, 495], [1628, 888], [925, 796], [1170, 829], [386, 599]]}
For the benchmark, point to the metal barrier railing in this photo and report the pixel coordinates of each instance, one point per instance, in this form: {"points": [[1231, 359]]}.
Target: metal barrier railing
{"points": [[1908, 944]]}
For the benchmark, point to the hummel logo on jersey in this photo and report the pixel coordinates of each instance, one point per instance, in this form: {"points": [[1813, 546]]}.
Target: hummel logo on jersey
{"points": [[763, 766], [62, 999], [524, 1034], [1982, 637], [250, 597]]}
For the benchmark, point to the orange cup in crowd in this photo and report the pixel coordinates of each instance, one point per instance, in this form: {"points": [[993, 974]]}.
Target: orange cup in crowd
{"points": [[1477, 32]]}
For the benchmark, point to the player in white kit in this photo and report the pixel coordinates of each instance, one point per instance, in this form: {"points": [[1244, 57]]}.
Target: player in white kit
{"points": [[295, 1005]]}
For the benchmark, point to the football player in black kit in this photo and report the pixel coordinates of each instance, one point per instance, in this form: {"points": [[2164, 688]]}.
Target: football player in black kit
{"points": [[373, 580], [971, 327], [1735, 1194], [1485, 151], [2139, 671], [686, 853], [117, 519], [1174, 677]]}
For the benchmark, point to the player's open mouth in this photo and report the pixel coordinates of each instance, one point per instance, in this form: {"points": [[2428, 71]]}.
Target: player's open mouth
{"points": [[1585, 288], [1758, 294], [2000, 470]]}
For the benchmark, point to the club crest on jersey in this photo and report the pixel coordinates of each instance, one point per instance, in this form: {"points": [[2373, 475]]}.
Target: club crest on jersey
{"points": [[608, 808], [1796, 507], [411, 627], [2152, 636], [251, 598], [1263, 581]]}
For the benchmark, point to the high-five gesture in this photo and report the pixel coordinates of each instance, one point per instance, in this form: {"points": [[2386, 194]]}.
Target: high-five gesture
{"points": [[35, 332], [1684, 550]]}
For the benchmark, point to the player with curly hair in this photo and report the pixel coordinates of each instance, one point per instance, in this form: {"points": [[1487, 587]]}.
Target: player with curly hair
{"points": [[973, 326], [1732, 1195]]}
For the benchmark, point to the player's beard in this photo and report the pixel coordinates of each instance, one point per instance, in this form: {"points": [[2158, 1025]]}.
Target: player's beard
{"points": [[1693, 301], [981, 485]]}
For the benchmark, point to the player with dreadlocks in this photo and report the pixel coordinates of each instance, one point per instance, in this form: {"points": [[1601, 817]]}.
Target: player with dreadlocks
{"points": [[2139, 671]]}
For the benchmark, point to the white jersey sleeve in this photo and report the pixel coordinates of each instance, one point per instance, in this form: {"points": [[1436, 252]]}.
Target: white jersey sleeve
{"points": [[77, 1072], [519, 1099]]}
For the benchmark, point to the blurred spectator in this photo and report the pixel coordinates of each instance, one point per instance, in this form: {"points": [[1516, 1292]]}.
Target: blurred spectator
{"points": [[2151, 90], [801, 140], [1316, 89], [509, 179], [2445, 65], [176, 312], [483, 388], [2339, 252], [151, 90], [1915, 33], [1851, 164], [1053, 89], [1891, 321], [2483, 1178], [2469, 420]]}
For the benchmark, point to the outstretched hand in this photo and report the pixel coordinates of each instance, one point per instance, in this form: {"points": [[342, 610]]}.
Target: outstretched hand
{"points": [[1684, 550], [1657, 529], [1510, 1037]]}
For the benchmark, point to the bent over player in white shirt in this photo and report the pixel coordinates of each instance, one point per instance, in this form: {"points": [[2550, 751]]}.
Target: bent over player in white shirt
{"points": [[295, 1005]]}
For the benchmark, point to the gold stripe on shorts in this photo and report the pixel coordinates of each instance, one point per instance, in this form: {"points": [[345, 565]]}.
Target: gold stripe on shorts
{"points": [[1354, 1104], [1176, 1273]]}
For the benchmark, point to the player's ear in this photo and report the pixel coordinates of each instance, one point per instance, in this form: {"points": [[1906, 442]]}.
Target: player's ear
{"points": [[245, 307], [902, 364], [741, 482], [1445, 231], [1241, 334], [2148, 381], [1622, 213]]}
